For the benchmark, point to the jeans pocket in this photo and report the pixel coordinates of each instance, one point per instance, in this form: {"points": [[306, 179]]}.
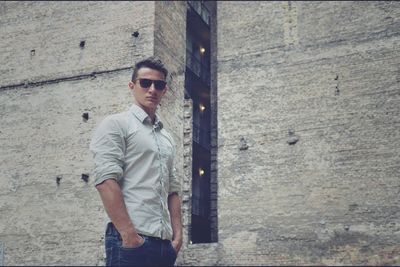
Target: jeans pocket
{"points": [[137, 256], [134, 248]]}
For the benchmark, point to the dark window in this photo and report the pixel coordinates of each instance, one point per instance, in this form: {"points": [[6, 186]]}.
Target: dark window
{"points": [[197, 88]]}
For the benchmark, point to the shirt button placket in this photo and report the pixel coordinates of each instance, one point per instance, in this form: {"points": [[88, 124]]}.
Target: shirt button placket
{"points": [[161, 179]]}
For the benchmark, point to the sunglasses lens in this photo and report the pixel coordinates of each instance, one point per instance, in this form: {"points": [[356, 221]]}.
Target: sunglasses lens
{"points": [[159, 85], [145, 83]]}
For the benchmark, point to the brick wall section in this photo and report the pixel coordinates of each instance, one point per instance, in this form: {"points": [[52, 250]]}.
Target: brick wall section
{"points": [[212, 7], [328, 73], [187, 170]]}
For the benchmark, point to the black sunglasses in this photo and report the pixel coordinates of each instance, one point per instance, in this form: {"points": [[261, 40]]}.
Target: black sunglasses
{"points": [[158, 84]]}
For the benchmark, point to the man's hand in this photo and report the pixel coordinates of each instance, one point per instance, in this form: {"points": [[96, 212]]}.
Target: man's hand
{"points": [[131, 240], [176, 244], [174, 207]]}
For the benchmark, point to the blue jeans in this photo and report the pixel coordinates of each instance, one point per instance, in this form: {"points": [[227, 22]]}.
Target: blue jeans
{"points": [[153, 252]]}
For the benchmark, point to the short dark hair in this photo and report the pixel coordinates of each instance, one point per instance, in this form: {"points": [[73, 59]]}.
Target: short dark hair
{"points": [[152, 63]]}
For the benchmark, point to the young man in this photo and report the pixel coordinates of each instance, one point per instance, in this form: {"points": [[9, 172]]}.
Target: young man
{"points": [[134, 176]]}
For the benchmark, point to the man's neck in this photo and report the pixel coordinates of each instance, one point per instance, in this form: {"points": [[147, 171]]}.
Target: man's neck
{"points": [[152, 115], [150, 112]]}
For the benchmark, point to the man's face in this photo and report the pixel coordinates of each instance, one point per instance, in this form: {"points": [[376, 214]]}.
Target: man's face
{"points": [[147, 97]]}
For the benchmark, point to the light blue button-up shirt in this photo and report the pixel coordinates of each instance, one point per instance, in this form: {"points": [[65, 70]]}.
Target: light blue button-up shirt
{"points": [[127, 147]]}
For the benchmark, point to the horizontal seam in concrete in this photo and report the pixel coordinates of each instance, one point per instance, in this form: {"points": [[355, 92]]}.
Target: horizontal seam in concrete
{"points": [[62, 79], [304, 48]]}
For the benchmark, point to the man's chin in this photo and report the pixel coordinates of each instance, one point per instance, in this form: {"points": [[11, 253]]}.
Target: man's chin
{"points": [[152, 103]]}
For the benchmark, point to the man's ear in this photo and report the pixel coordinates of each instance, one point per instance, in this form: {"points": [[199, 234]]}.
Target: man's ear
{"points": [[131, 85]]}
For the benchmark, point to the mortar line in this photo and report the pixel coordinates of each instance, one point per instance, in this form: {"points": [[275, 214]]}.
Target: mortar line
{"points": [[62, 79]]}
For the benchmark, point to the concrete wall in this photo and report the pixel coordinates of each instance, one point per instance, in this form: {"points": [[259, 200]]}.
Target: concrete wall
{"points": [[326, 74], [54, 31]]}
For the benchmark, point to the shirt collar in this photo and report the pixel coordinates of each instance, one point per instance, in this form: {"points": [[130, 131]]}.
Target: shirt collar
{"points": [[144, 117]]}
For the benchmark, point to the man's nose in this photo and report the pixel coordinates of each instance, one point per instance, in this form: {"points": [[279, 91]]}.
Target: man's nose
{"points": [[152, 89]]}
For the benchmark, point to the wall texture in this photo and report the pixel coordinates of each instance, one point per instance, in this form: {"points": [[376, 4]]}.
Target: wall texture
{"points": [[41, 40], [324, 74]]}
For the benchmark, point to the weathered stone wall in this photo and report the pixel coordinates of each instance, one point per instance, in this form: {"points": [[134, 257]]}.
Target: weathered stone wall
{"points": [[212, 8], [54, 30], [327, 75]]}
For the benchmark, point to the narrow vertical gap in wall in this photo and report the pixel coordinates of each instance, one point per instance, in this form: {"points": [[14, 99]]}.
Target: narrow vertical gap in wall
{"points": [[198, 88]]}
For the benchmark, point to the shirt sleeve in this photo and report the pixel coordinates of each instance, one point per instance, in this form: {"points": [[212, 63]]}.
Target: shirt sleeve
{"points": [[174, 184], [107, 146]]}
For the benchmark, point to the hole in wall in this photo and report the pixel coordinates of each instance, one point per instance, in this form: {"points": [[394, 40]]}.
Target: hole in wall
{"points": [[85, 177], [58, 180], [85, 116]]}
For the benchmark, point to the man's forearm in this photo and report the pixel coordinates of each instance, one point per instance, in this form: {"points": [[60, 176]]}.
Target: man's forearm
{"points": [[114, 204], [174, 207]]}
